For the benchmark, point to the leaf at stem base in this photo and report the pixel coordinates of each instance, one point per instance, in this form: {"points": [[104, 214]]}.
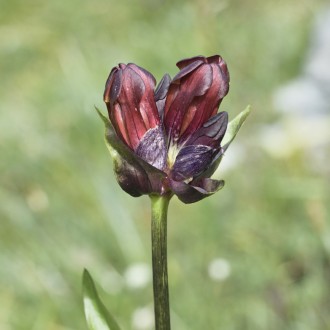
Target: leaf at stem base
{"points": [[96, 314]]}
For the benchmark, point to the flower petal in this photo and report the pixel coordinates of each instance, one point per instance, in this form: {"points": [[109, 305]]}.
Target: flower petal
{"points": [[161, 93], [191, 161], [152, 148], [113, 86], [185, 70], [194, 96], [182, 102], [196, 190], [187, 61], [212, 132], [209, 171], [129, 96]]}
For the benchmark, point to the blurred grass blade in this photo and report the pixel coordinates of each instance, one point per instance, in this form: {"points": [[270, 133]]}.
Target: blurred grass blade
{"points": [[234, 126], [96, 314]]}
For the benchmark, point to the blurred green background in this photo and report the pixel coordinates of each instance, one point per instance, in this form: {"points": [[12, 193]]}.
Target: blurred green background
{"points": [[254, 256]]}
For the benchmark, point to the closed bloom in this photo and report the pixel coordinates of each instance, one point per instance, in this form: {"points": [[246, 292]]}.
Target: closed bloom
{"points": [[168, 139]]}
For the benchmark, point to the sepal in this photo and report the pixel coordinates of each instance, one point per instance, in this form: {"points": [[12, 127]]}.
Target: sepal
{"points": [[231, 132], [234, 126], [134, 175], [196, 190]]}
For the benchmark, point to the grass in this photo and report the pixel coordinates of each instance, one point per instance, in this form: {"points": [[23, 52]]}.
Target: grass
{"points": [[61, 209]]}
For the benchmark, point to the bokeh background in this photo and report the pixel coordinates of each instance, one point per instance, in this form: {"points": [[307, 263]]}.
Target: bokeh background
{"points": [[254, 256]]}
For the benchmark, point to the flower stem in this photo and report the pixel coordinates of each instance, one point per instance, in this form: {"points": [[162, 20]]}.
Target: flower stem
{"points": [[159, 207]]}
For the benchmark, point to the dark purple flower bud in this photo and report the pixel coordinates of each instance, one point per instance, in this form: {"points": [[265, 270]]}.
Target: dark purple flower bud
{"points": [[129, 96], [194, 96], [168, 140], [194, 129]]}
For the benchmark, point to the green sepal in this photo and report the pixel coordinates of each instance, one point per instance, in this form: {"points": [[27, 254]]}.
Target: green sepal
{"points": [[231, 132], [134, 175], [234, 126], [96, 314]]}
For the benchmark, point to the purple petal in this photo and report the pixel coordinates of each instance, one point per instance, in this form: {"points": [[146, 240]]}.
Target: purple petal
{"points": [[197, 190], [152, 148], [209, 171], [191, 161]]}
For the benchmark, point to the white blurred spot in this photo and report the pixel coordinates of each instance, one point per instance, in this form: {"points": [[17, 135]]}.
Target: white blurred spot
{"points": [[112, 282], [143, 318], [305, 104], [37, 200], [219, 269], [302, 96], [138, 275], [294, 133], [52, 280]]}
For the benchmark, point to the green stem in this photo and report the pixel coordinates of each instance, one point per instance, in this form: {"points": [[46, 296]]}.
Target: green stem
{"points": [[159, 207]]}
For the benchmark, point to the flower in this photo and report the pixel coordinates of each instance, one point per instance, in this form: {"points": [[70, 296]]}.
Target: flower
{"points": [[168, 140]]}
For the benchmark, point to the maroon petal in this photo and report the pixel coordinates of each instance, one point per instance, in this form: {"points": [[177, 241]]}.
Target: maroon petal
{"points": [[147, 107], [197, 190], [128, 103], [185, 70], [203, 108], [212, 132], [194, 96], [112, 86], [185, 62], [147, 77], [129, 96], [178, 110], [161, 93]]}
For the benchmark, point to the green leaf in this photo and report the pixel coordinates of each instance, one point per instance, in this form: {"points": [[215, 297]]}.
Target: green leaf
{"points": [[234, 126], [96, 314]]}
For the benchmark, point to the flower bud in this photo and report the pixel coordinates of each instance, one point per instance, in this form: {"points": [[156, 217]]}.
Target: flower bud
{"points": [[194, 96], [129, 96], [168, 140]]}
